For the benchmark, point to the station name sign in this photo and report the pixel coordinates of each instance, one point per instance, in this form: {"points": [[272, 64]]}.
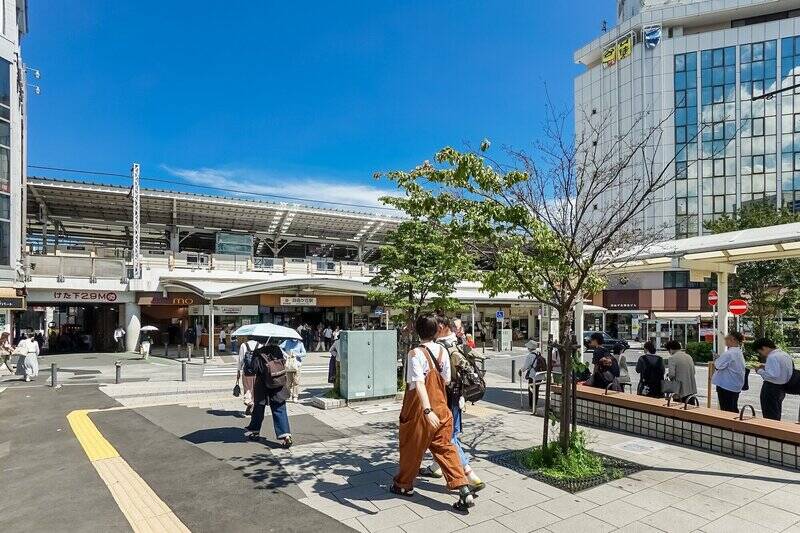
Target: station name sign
{"points": [[298, 301]]}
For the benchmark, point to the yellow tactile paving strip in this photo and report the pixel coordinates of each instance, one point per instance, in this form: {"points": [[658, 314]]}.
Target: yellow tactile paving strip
{"points": [[142, 507]]}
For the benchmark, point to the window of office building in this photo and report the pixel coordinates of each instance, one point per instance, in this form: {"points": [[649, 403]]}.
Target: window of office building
{"points": [[718, 119], [5, 162], [790, 125], [758, 73], [686, 223]]}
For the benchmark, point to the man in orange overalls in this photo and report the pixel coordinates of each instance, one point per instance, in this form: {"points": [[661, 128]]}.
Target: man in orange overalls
{"points": [[426, 422]]}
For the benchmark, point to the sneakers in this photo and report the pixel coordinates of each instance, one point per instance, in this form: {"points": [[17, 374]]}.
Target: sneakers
{"points": [[431, 470]]}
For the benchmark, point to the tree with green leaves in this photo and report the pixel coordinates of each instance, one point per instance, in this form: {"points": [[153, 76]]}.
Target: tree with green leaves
{"points": [[537, 220], [770, 287], [419, 266]]}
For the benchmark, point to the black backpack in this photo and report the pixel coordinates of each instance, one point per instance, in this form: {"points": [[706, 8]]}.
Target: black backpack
{"points": [[247, 366], [269, 364]]}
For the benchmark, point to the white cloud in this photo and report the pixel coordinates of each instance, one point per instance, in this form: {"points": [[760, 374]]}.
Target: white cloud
{"points": [[314, 190]]}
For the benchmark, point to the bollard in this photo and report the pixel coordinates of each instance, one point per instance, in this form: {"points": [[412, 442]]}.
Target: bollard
{"points": [[189, 351], [118, 372], [53, 375], [166, 349], [205, 355], [184, 371], [513, 371]]}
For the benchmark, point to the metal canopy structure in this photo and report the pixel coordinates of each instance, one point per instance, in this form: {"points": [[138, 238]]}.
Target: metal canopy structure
{"points": [[83, 208]]}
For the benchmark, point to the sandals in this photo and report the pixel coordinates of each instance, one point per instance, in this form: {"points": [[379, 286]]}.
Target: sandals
{"points": [[407, 493], [477, 487], [287, 442], [465, 500]]}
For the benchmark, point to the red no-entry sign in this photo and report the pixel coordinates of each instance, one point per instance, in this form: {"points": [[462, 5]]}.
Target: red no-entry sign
{"points": [[713, 298], [738, 307]]}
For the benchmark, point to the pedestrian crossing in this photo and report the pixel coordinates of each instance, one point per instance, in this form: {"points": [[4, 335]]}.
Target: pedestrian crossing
{"points": [[230, 370]]}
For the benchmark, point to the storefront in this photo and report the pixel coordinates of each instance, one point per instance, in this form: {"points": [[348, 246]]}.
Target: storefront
{"points": [[227, 317], [72, 320], [333, 310], [683, 326], [10, 300], [626, 324], [168, 312]]}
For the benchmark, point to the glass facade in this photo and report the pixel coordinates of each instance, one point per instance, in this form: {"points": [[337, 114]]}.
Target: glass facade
{"points": [[5, 162], [731, 158], [686, 144]]}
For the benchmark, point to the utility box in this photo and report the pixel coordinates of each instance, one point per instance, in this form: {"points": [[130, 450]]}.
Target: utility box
{"points": [[367, 364]]}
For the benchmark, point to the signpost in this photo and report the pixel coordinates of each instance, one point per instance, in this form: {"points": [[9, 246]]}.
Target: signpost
{"points": [[713, 299], [737, 308]]}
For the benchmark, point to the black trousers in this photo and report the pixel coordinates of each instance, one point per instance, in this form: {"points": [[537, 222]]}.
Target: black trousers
{"points": [[120, 344], [728, 400], [772, 396]]}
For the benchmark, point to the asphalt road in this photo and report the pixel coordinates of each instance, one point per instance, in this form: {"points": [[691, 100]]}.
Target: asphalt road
{"points": [[791, 406]]}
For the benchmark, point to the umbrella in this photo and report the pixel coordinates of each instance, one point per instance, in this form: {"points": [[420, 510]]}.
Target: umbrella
{"points": [[266, 330], [149, 328]]}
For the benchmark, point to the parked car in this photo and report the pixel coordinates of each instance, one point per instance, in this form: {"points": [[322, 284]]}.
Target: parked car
{"points": [[608, 341]]}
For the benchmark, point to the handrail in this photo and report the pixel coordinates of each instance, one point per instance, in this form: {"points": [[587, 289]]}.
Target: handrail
{"points": [[669, 398], [608, 387], [752, 411], [688, 400]]}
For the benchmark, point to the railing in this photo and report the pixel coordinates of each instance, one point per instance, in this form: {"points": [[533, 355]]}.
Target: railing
{"points": [[90, 266]]}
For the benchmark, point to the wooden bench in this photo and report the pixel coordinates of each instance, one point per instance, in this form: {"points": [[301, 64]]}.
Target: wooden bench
{"points": [[768, 441]]}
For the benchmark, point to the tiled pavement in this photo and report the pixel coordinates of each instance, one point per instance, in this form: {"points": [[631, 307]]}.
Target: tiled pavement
{"points": [[682, 489]]}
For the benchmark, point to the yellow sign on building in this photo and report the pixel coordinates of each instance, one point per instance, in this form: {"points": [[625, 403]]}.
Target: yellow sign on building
{"points": [[610, 56], [624, 47]]}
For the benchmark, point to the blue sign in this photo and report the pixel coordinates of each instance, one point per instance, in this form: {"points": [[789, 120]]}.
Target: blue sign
{"points": [[500, 315], [652, 36]]}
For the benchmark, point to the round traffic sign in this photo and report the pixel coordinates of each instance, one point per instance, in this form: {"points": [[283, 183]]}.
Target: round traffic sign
{"points": [[713, 297], [737, 307]]}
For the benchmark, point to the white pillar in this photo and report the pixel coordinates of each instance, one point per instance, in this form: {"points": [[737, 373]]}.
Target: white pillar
{"points": [[579, 324], [722, 309], [211, 346], [133, 326], [604, 320], [472, 313]]}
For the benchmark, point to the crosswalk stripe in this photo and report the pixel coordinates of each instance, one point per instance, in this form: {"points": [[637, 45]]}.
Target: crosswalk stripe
{"points": [[231, 370]]}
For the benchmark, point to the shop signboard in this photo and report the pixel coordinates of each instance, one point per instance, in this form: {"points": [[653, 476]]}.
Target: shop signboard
{"points": [[172, 298], [12, 303], [86, 296], [225, 310], [299, 301], [78, 296], [624, 47]]}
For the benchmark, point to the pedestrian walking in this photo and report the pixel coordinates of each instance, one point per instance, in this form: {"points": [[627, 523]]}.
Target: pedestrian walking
{"points": [[198, 331], [246, 371], [535, 364], [327, 334], [190, 337], [426, 423], [28, 351], [336, 331], [776, 370], [681, 372], [729, 370], [622, 364], [119, 339], [650, 368], [599, 352], [270, 387], [6, 350], [295, 351], [319, 343]]}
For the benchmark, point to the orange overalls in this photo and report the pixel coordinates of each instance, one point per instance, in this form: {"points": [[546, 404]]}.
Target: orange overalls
{"points": [[416, 435]]}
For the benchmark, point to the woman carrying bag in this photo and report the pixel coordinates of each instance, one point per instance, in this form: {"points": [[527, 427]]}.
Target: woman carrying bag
{"points": [[269, 364], [28, 351]]}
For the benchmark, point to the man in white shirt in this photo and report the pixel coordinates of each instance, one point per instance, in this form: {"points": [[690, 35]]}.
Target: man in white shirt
{"points": [[119, 336], [776, 371], [327, 334]]}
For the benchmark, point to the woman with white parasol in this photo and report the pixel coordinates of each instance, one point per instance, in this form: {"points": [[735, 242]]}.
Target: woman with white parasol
{"points": [[146, 342]]}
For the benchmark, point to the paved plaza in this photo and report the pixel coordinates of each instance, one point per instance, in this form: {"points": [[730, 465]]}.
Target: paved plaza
{"points": [[185, 441]]}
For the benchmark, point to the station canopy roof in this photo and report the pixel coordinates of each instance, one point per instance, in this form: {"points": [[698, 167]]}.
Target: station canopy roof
{"points": [[85, 205], [714, 253]]}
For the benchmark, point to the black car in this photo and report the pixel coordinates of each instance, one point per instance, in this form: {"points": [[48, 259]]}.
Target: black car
{"points": [[608, 341]]}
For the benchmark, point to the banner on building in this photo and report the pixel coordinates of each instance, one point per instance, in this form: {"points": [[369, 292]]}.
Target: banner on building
{"points": [[625, 47], [651, 35], [610, 56]]}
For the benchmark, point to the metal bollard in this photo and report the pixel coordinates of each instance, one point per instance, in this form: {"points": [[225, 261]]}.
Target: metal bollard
{"points": [[118, 372], [513, 371], [166, 349], [205, 356], [184, 371], [189, 348], [53, 375]]}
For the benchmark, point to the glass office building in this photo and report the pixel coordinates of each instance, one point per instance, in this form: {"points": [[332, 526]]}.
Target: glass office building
{"points": [[710, 71]]}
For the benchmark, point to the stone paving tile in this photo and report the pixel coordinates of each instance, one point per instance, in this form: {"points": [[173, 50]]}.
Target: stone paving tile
{"points": [[733, 524], [580, 524], [707, 479], [566, 506], [618, 513], [681, 488], [441, 523], [518, 499], [706, 506], [639, 527], [603, 494], [651, 499], [783, 499], [732, 494], [659, 474], [343, 512], [528, 519], [633, 483], [674, 520], [387, 518], [758, 482], [483, 511], [492, 526], [767, 516]]}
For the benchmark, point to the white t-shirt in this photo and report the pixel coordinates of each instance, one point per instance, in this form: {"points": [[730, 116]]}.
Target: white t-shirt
{"points": [[418, 367], [249, 345], [327, 333]]}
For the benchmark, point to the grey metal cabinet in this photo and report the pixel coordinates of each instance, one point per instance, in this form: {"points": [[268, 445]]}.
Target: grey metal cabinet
{"points": [[368, 364]]}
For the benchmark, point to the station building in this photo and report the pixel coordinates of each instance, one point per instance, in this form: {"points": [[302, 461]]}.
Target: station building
{"points": [[218, 260]]}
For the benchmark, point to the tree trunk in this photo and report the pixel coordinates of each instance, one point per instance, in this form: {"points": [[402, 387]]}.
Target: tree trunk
{"points": [[564, 352]]}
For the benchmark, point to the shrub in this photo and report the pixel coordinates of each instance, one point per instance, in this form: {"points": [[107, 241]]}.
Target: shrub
{"points": [[578, 463], [701, 352]]}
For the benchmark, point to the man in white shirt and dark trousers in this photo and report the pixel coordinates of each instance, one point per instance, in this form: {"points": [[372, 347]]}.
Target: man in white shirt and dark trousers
{"points": [[776, 371]]}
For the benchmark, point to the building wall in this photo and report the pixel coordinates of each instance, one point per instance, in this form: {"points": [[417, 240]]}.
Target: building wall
{"points": [[727, 149]]}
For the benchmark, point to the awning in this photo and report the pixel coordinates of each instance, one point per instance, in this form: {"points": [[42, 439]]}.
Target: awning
{"points": [[219, 290], [589, 308], [683, 315]]}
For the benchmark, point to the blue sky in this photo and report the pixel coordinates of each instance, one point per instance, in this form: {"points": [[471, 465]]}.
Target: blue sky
{"points": [[300, 98]]}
